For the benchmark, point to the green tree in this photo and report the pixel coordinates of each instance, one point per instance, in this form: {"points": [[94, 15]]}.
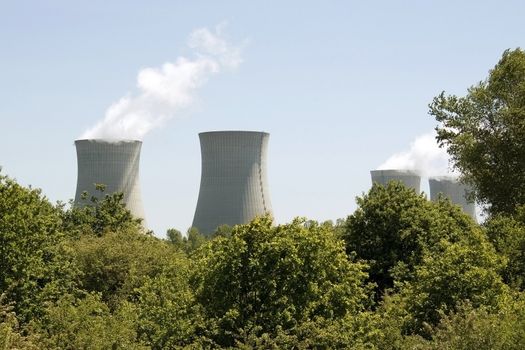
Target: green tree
{"points": [[194, 239], [175, 237], [267, 278], [353, 331], [34, 267], [97, 216], [484, 133], [223, 231], [393, 227], [507, 234], [88, 323], [168, 314], [479, 328], [12, 334], [189, 243], [459, 272], [117, 263]]}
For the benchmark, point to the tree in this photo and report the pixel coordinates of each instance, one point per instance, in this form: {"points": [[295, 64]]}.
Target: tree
{"points": [[12, 336], [168, 315], [194, 239], [118, 263], [484, 133], [34, 267], [393, 227], [98, 216], [507, 234], [353, 331], [265, 279], [175, 237], [458, 272], [88, 323], [479, 328], [223, 231]]}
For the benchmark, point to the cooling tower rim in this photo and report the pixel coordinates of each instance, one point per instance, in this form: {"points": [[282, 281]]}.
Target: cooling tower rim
{"points": [[108, 141], [444, 178], [235, 132], [389, 172]]}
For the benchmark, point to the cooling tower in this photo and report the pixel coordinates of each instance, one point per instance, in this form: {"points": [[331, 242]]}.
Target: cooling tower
{"points": [[453, 190], [113, 164], [233, 188], [409, 178]]}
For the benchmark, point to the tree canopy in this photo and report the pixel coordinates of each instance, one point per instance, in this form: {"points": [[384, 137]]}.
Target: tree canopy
{"points": [[484, 133], [393, 228], [267, 278]]}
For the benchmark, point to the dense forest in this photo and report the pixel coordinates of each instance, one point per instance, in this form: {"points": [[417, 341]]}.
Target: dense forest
{"points": [[401, 272]]}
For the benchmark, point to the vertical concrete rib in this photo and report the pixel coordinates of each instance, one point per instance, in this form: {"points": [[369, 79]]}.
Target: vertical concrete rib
{"points": [[409, 178], [453, 190], [234, 186], [113, 164]]}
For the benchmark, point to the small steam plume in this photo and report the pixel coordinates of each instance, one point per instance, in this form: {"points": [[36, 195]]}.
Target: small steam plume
{"points": [[165, 90], [424, 156]]}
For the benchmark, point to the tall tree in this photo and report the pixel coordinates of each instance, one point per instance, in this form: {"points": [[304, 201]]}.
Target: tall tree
{"points": [[34, 267], [507, 234], [393, 226], [265, 279], [484, 133]]}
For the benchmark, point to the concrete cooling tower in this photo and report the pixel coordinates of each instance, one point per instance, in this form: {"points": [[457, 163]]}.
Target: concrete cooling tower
{"points": [[234, 186], [409, 178], [453, 190], [113, 164]]}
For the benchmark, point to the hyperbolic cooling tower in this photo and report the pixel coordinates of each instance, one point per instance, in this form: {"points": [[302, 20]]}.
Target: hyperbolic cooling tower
{"points": [[113, 164], [453, 190], [409, 178], [234, 188]]}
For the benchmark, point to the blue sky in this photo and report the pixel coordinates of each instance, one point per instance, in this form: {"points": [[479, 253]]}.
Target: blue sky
{"points": [[339, 85]]}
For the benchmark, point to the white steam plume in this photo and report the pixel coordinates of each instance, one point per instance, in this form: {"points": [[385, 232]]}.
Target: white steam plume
{"points": [[424, 156], [164, 91]]}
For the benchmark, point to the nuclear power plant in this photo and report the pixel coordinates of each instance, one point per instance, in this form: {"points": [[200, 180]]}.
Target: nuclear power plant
{"points": [[453, 190], [234, 186], [113, 164], [409, 178]]}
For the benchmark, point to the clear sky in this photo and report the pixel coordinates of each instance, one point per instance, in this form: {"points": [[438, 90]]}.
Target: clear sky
{"points": [[339, 85]]}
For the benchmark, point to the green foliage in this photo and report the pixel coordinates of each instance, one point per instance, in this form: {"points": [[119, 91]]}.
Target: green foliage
{"points": [[393, 227], [445, 279], [88, 323], [115, 264], [193, 240], [357, 331], [433, 254], [11, 333], [98, 216], [175, 237], [223, 231], [484, 133], [168, 314], [480, 328], [507, 234], [33, 266], [268, 278]]}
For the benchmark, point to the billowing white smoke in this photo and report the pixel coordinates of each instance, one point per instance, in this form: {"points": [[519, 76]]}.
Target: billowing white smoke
{"points": [[165, 90], [424, 156]]}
